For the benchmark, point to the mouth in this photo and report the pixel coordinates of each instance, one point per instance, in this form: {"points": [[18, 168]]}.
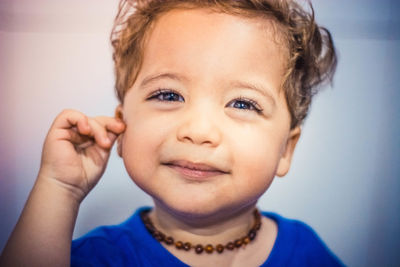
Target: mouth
{"points": [[195, 170]]}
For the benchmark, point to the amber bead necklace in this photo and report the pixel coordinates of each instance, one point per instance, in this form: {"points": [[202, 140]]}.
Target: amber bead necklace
{"points": [[187, 246]]}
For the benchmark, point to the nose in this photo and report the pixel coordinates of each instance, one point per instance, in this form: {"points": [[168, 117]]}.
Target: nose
{"points": [[200, 126]]}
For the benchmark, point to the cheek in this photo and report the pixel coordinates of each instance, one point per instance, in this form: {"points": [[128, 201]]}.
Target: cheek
{"points": [[255, 169], [257, 153], [258, 160], [142, 141]]}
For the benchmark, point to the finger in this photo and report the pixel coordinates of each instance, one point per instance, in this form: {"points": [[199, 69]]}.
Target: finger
{"points": [[70, 118], [112, 137], [83, 141], [113, 125], [99, 133], [77, 139], [78, 126]]}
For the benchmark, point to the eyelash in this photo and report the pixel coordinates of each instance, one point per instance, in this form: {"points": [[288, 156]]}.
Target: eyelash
{"points": [[251, 104], [164, 92]]}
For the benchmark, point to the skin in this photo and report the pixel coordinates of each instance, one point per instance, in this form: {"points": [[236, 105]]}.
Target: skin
{"points": [[205, 148]]}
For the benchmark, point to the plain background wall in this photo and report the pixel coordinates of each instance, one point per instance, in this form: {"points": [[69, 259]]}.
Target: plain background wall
{"points": [[344, 180]]}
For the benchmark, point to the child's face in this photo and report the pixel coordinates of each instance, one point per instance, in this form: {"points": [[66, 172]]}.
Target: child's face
{"points": [[208, 94]]}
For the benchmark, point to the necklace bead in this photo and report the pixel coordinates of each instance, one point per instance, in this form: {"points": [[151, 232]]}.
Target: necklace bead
{"points": [[230, 246], [199, 249], [187, 246], [179, 244], [209, 249], [238, 243], [169, 240], [219, 248]]}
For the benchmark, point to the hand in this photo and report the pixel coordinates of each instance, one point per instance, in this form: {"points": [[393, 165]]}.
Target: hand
{"points": [[76, 150]]}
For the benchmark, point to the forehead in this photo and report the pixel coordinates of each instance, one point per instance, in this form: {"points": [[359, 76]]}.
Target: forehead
{"points": [[201, 41]]}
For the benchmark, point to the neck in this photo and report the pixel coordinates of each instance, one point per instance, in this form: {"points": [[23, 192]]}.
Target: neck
{"points": [[216, 228]]}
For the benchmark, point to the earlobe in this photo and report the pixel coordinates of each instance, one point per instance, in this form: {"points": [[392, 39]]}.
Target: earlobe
{"points": [[120, 116], [119, 113], [286, 158]]}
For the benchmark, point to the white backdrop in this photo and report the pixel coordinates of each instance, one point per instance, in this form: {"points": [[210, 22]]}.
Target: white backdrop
{"points": [[344, 181]]}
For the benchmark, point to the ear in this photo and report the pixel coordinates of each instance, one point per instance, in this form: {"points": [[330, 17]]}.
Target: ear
{"points": [[120, 116], [286, 158]]}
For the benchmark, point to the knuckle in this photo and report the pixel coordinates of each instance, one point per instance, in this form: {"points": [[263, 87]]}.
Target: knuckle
{"points": [[67, 111], [93, 121], [70, 113]]}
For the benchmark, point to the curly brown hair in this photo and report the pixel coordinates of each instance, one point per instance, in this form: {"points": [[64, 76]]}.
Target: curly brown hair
{"points": [[311, 53]]}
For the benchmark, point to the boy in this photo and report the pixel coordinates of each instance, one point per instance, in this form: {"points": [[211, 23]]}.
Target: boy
{"points": [[212, 96]]}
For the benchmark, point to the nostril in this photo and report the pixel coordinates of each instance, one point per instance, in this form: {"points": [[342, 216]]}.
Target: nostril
{"points": [[199, 136]]}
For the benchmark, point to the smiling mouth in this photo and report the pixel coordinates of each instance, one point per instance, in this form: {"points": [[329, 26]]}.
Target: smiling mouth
{"points": [[195, 170]]}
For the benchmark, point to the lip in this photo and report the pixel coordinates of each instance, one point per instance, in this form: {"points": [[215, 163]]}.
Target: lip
{"points": [[195, 170]]}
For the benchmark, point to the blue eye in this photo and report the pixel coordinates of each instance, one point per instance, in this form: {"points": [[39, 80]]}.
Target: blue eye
{"points": [[245, 104], [166, 95]]}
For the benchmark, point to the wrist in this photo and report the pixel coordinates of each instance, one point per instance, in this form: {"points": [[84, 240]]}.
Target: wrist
{"points": [[62, 191]]}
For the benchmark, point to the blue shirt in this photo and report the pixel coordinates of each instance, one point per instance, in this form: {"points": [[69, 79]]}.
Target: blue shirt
{"points": [[130, 244]]}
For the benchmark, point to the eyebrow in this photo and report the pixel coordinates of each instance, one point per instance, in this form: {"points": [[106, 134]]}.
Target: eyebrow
{"points": [[159, 76], [260, 89]]}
